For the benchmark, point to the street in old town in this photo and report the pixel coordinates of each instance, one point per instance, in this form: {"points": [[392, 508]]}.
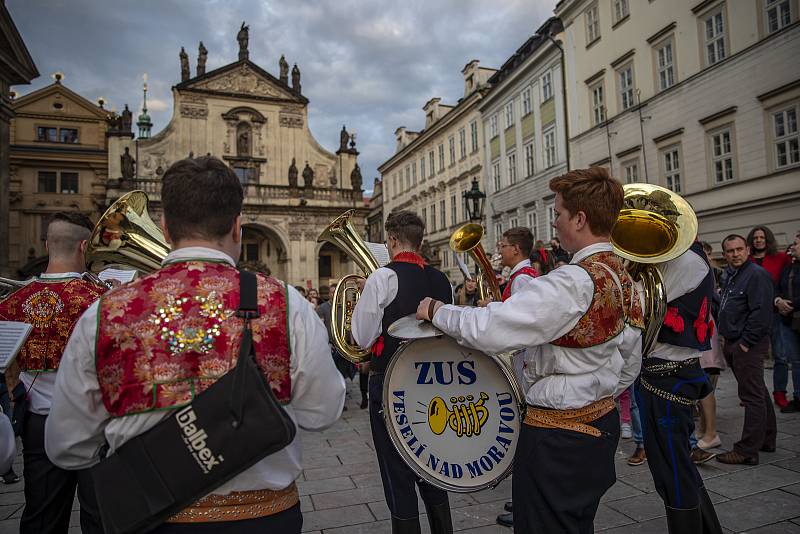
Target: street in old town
{"points": [[340, 488]]}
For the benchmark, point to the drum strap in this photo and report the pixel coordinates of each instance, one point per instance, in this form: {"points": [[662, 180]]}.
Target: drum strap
{"points": [[574, 420]]}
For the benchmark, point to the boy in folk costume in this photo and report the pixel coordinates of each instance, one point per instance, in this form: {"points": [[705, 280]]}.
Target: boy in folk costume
{"points": [[581, 328]]}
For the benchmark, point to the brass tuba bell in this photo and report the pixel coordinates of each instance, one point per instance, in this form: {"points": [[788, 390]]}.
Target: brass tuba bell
{"points": [[467, 238], [654, 226], [126, 236], [343, 235]]}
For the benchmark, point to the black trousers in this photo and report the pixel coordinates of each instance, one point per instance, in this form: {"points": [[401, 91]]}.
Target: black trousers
{"points": [[287, 522], [560, 476], [50, 490], [397, 477], [760, 428], [666, 426]]}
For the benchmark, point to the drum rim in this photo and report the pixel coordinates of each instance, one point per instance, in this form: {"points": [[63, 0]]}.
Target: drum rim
{"points": [[407, 457]]}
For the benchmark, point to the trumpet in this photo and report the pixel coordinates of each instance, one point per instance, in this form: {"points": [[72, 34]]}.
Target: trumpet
{"points": [[467, 239]]}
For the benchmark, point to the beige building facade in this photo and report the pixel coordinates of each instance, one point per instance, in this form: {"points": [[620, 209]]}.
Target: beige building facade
{"points": [[58, 162], [432, 168], [258, 124], [697, 96]]}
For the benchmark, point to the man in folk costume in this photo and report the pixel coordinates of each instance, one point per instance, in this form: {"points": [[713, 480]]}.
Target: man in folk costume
{"points": [[390, 293], [515, 250], [149, 347], [671, 382], [581, 328], [52, 303]]}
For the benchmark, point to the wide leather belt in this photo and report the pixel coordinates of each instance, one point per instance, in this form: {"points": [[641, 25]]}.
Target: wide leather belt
{"points": [[575, 419], [238, 505]]}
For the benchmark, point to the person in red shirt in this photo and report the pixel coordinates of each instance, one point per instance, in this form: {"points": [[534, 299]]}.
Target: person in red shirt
{"points": [[764, 251]]}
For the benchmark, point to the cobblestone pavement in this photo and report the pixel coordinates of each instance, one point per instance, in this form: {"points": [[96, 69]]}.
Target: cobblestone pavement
{"points": [[341, 489]]}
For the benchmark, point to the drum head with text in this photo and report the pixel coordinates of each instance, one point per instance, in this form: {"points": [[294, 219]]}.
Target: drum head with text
{"points": [[453, 413]]}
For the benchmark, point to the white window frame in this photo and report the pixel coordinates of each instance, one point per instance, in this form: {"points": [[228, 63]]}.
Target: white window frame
{"points": [[722, 155], [620, 10], [625, 86], [671, 167], [511, 161], [665, 64], [443, 213], [453, 210], [783, 14], [462, 139], [527, 107], [496, 183], [413, 174], [513, 222], [431, 163], [714, 37], [408, 177], [473, 131], [422, 168], [551, 219], [592, 16], [529, 160], [547, 86], [441, 157], [597, 96], [630, 170], [452, 147], [433, 217], [549, 147], [493, 126], [533, 223], [787, 139], [498, 230], [509, 112]]}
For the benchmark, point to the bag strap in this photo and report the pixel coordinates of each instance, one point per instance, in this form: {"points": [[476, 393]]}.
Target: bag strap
{"points": [[248, 309]]}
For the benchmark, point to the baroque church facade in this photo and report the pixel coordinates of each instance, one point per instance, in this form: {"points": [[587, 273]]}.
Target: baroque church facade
{"points": [[258, 124]]}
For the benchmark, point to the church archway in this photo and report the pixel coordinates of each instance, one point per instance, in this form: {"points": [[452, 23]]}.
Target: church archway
{"points": [[263, 250]]}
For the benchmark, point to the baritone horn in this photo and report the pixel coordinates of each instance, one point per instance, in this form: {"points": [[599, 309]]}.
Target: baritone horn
{"points": [[343, 235], [467, 239], [126, 236], [654, 226]]}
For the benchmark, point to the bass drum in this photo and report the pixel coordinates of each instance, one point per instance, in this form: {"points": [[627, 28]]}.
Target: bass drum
{"points": [[453, 413]]}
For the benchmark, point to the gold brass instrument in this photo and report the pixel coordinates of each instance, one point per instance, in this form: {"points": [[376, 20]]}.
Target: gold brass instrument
{"points": [[654, 226], [343, 235], [465, 419], [126, 236], [468, 239]]}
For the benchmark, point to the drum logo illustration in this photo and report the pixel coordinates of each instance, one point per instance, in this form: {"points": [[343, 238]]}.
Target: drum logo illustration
{"points": [[452, 413]]}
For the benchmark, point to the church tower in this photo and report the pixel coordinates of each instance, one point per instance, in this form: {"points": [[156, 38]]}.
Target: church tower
{"points": [[144, 123]]}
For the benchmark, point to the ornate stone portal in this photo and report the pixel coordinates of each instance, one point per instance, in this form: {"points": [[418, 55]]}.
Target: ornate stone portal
{"points": [[258, 124]]}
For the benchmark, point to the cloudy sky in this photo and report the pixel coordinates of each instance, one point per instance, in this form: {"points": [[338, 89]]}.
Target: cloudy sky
{"points": [[369, 64]]}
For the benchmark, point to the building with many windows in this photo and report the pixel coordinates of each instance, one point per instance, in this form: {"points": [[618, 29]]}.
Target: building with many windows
{"points": [[432, 168], [697, 96], [59, 162], [523, 120]]}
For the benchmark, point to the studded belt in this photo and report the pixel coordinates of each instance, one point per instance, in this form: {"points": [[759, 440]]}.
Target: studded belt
{"points": [[238, 505], [570, 419]]}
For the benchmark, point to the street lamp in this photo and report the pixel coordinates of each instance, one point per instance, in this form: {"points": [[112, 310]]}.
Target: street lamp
{"points": [[474, 200]]}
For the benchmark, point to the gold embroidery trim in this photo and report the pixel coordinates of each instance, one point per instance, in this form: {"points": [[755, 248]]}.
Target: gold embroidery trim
{"points": [[238, 505], [574, 420]]}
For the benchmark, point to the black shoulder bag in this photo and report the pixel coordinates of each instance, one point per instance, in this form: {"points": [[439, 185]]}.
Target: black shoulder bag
{"points": [[226, 429]]}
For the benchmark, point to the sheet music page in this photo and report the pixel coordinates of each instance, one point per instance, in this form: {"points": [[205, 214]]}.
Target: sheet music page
{"points": [[12, 336], [121, 275], [463, 267], [380, 252]]}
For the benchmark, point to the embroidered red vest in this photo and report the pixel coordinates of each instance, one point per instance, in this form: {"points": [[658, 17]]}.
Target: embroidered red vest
{"points": [[527, 271], [609, 310], [52, 306], [165, 338]]}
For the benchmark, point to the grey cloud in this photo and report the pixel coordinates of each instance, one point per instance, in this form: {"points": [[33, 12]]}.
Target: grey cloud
{"points": [[370, 64]]}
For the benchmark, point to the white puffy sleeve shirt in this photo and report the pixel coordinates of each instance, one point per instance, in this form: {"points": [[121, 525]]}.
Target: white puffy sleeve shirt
{"points": [[79, 424], [542, 310]]}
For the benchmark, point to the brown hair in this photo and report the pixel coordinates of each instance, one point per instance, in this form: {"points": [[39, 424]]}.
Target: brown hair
{"points": [[201, 198], [594, 192], [406, 227], [769, 237], [521, 237]]}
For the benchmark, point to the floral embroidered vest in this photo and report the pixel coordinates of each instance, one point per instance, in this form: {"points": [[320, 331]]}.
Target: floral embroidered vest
{"points": [[527, 271], [165, 338], [52, 306], [610, 310]]}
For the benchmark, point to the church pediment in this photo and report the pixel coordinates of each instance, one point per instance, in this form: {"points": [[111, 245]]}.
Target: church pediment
{"points": [[242, 79]]}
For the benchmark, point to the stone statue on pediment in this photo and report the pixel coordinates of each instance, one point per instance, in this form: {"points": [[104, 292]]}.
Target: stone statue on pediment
{"points": [[244, 38], [296, 79], [243, 143], [344, 137], [126, 120], [293, 174], [128, 166], [202, 57], [356, 180], [308, 176], [184, 65], [283, 65]]}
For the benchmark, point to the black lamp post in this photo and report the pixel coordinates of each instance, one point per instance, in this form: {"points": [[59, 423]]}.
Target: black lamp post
{"points": [[473, 201]]}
